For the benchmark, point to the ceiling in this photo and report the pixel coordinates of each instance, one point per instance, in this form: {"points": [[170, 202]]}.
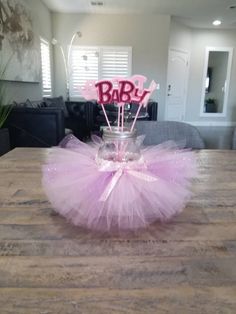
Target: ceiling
{"points": [[193, 13]]}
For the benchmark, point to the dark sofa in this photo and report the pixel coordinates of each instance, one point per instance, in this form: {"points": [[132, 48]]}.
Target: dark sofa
{"points": [[81, 117], [35, 127], [44, 124]]}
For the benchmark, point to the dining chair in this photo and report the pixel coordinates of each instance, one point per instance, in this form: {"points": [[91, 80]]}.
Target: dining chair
{"points": [[183, 134]]}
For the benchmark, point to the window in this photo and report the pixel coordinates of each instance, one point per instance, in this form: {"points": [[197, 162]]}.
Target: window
{"points": [[46, 68], [96, 63]]}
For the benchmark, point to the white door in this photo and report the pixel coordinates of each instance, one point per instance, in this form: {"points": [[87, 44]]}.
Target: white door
{"points": [[177, 79]]}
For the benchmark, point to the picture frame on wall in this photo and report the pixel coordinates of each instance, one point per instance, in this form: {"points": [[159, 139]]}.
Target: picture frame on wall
{"points": [[19, 45]]}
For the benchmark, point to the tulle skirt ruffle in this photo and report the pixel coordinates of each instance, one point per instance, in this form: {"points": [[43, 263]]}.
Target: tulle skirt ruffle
{"points": [[110, 198]]}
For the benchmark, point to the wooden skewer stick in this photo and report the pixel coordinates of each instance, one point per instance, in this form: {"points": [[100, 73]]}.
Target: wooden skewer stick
{"points": [[136, 116], [123, 116], [105, 114], [118, 118]]}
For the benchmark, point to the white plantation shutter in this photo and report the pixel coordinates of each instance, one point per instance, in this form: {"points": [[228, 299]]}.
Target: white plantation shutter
{"points": [[95, 63], [46, 68], [83, 66], [115, 62]]}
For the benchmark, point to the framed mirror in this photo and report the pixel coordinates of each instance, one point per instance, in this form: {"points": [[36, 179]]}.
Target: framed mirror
{"points": [[216, 78]]}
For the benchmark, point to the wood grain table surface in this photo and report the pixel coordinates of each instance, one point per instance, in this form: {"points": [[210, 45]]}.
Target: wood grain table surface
{"points": [[186, 266]]}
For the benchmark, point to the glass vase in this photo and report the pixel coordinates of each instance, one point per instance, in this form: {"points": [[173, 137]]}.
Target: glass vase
{"points": [[119, 146]]}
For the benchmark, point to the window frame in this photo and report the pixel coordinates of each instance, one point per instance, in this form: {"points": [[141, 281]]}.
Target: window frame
{"points": [[49, 71], [100, 50]]}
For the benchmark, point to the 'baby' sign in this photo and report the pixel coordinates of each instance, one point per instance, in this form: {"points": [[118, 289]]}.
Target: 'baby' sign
{"points": [[119, 91]]}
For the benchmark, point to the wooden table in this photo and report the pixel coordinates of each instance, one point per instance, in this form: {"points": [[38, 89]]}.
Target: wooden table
{"points": [[48, 266]]}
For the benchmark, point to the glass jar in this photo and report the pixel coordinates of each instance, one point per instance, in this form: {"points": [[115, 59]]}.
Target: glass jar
{"points": [[119, 146]]}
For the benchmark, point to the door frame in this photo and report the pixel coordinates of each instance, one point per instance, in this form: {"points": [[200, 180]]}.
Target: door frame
{"points": [[187, 52]]}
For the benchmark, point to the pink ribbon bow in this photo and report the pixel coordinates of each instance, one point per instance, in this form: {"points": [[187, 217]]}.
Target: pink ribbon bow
{"points": [[134, 168]]}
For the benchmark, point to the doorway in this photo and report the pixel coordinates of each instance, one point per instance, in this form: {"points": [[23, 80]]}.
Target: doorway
{"points": [[177, 81]]}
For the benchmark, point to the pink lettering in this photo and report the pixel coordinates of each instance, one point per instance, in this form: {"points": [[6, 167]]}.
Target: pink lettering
{"points": [[139, 97], [115, 96], [104, 89], [126, 89], [120, 91]]}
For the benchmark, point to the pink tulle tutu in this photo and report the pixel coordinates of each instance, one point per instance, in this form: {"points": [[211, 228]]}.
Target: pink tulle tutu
{"points": [[117, 196]]}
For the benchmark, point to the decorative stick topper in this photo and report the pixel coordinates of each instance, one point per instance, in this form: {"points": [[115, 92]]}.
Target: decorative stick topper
{"points": [[139, 79], [89, 91], [126, 92], [120, 91]]}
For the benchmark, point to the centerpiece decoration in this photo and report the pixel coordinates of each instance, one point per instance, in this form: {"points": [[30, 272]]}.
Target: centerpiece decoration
{"points": [[114, 183]]}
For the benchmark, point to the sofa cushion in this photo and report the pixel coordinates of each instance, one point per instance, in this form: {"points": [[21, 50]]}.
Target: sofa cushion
{"points": [[29, 104], [37, 104], [57, 102]]}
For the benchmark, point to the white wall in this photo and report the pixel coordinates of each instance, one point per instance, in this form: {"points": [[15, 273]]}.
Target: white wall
{"points": [[41, 17], [195, 41], [148, 35], [180, 36], [200, 40]]}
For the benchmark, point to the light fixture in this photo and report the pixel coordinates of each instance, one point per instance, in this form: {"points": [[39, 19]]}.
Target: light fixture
{"points": [[216, 22], [66, 61], [97, 3]]}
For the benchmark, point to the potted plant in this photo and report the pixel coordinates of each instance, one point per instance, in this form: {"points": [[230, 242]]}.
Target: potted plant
{"points": [[4, 112], [210, 105]]}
